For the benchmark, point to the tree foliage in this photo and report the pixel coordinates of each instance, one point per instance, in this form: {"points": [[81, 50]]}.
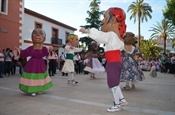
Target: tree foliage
{"points": [[173, 44], [94, 15], [93, 21], [149, 49], [169, 11], [140, 11], [163, 30], [86, 41]]}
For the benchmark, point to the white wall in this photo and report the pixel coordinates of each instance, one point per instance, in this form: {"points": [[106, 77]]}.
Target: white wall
{"points": [[29, 24]]}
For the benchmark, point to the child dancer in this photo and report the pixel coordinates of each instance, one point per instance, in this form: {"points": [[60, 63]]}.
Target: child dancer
{"points": [[35, 77], [70, 49], [131, 71], [93, 65], [112, 31], [153, 71]]}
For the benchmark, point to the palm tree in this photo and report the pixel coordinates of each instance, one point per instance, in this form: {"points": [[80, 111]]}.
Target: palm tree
{"points": [[173, 44], [140, 11], [163, 30]]}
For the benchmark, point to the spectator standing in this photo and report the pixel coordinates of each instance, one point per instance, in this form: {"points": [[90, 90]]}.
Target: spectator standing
{"points": [[62, 61], [1, 63]]}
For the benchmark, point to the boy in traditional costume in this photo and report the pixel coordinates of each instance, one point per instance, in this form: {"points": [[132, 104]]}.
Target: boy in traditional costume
{"points": [[112, 32], [70, 49]]}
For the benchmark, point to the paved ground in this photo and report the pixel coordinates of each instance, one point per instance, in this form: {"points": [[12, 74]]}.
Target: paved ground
{"points": [[153, 96]]}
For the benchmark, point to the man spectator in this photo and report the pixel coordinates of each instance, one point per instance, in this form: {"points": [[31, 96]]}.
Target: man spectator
{"points": [[62, 61]]}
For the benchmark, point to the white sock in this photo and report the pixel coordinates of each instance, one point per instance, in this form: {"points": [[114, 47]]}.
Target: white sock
{"points": [[127, 82], [71, 76], [121, 97], [116, 95], [91, 74], [133, 82]]}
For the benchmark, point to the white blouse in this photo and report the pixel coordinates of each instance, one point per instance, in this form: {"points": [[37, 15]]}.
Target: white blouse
{"points": [[110, 39]]}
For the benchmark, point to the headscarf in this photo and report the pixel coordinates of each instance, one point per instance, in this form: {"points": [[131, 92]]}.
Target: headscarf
{"points": [[120, 15]]}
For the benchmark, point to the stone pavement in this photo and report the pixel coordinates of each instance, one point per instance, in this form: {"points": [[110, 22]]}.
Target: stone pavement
{"points": [[153, 96]]}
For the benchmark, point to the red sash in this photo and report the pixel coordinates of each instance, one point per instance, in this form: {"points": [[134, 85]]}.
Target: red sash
{"points": [[113, 56]]}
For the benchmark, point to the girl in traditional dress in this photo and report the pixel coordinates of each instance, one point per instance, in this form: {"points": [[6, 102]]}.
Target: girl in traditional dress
{"points": [[131, 71], [70, 49], [93, 65], [153, 71], [35, 77]]}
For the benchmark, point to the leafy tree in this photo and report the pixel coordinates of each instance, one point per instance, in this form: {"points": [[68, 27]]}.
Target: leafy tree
{"points": [[140, 11], [86, 40], [149, 49], [94, 15], [93, 20], [169, 11], [163, 30]]}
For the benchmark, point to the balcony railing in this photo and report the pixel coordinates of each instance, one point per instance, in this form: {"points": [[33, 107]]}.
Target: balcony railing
{"points": [[56, 41]]}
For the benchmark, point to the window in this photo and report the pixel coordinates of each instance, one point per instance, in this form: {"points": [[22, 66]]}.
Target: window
{"points": [[3, 6], [66, 37], [54, 33], [55, 39], [38, 25]]}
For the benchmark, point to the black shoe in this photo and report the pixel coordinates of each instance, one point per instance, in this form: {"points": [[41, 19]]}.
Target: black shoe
{"points": [[1, 77]]}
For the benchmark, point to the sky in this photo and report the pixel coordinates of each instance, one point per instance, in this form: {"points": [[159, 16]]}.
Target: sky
{"points": [[74, 12]]}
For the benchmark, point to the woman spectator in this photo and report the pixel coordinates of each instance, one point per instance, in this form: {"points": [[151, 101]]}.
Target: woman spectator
{"points": [[8, 61]]}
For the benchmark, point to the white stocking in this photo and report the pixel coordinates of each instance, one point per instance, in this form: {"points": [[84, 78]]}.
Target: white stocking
{"points": [[71, 76], [127, 82], [121, 97], [133, 82], [116, 95]]}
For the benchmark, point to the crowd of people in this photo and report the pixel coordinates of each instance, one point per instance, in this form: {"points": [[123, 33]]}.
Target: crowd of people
{"points": [[9, 60], [163, 63]]}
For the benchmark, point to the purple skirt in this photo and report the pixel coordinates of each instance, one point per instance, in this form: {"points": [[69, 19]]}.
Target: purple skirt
{"points": [[113, 70], [35, 65]]}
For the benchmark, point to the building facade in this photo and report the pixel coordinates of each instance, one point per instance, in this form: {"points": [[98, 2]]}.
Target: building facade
{"points": [[56, 32], [10, 23], [17, 24]]}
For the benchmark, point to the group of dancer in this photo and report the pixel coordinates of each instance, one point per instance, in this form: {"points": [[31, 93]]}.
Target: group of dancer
{"points": [[118, 43]]}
